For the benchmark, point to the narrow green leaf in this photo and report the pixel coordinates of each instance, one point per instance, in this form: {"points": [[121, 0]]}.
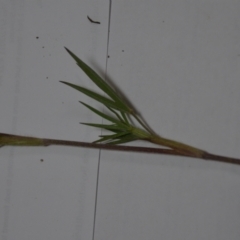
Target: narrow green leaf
{"points": [[125, 117], [98, 80], [111, 119], [128, 138], [107, 102], [115, 136], [111, 137], [102, 139], [105, 126], [117, 115], [99, 140]]}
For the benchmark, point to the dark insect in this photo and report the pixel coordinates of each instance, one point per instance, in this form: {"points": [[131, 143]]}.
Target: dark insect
{"points": [[92, 20]]}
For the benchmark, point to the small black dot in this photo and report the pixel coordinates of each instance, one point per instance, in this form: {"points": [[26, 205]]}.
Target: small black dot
{"points": [[41, 160], [37, 37]]}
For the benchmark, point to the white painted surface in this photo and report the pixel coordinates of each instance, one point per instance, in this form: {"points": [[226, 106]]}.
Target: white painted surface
{"points": [[53, 199], [178, 62], [181, 68]]}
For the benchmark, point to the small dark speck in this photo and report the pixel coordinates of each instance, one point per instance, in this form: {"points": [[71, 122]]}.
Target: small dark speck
{"points": [[41, 160], [37, 37], [122, 50], [42, 46], [108, 56], [46, 77], [163, 21]]}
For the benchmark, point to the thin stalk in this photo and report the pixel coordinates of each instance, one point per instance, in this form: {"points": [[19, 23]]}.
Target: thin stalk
{"points": [[178, 146], [17, 140]]}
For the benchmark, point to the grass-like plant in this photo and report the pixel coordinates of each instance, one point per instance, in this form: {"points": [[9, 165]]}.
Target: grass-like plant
{"points": [[125, 125]]}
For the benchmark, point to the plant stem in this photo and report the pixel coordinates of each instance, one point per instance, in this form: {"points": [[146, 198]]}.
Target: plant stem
{"points": [[17, 140], [178, 146]]}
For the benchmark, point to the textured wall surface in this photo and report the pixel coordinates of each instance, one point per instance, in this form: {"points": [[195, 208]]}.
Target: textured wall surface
{"points": [[177, 61]]}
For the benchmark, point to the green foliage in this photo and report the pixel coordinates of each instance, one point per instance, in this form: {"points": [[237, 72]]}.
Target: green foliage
{"points": [[119, 103], [121, 127]]}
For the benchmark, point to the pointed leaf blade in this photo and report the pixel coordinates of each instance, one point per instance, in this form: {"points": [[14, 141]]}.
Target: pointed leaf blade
{"points": [[98, 80], [111, 119], [111, 137], [125, 117], [117, 115], [107, 102], [105, 126], [126, 139]]}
